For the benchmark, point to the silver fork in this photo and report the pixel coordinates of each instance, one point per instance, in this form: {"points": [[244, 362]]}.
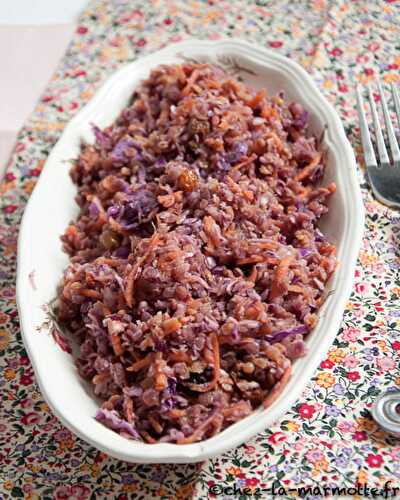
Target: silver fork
{"points": [[384, 174]]}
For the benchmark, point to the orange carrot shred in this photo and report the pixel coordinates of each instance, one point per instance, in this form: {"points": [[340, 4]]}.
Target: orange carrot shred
{"points": [[280, 273], [101, 377], [243, 163], [190, 82], [148, 438], [116, 344], [261, 94], [308, 169], [179, 356], [171, 325], [154, 241], [198, 433], [142, 363]]}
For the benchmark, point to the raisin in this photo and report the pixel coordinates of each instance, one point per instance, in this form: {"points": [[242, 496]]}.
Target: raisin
{"points": [[188, 180], [109, 239], [193, 145], [201, 378]]}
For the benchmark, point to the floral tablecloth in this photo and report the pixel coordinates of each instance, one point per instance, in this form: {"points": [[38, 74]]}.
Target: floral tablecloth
{"points": [[328, 437]]}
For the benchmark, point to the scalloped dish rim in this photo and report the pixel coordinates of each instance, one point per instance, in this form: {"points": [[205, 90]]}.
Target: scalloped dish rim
{"points": [[73, 404]]}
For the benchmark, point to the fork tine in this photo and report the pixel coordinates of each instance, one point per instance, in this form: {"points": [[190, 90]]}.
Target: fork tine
{"points": [[369, 154], [396, 100], [380, 142], [394, 148]]}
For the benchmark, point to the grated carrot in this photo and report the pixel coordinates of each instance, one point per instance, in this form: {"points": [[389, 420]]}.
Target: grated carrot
{"points": [[198, 433], [148, 438], [116, 344], [277, 286], [309, 169], [142, 363], [176, 413], [243, 163], [180, 356], [254, 259], [190, 82], [108, 261], [71, 230], [171, 325], [298, 289], [154, 241], [155, 424], [101, 377], [258, 98]]}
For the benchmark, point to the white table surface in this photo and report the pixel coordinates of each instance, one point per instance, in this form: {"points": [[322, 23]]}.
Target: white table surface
{"points": [[29, 28]]}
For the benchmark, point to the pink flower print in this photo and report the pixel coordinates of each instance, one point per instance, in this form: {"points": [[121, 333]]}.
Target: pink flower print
{"points": [[350, 334], [373, 46], [350, 362], [299, 444], [315, 455], [387, 363], [346, 426], [361, 288]]}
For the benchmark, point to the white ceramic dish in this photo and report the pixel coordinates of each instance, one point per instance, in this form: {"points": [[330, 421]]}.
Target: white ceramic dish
{"points": [[52, 206]]}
